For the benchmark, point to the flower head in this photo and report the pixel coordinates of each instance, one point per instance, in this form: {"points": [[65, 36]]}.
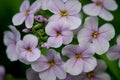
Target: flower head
{"points": [[81, 58], [50, 67], [100, 8], [27, 49], [59, 34], [99, 38], [10, 40], [66, 12], [26, 13]]}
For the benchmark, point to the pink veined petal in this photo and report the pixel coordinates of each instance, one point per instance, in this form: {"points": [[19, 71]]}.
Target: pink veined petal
{"points": [[29, 21], [11, 52], [35, 6], [32, 75], [18, 18], [56, 6], [74, 67], [73, 7], [59, 72], [92, 9], [91, 23], [25, 6], [118, 39], [40, 65], [107, 31], [74, 22], [110, 5], [103, 76], [89, 64], [45, 4], [47, 75], [30, 41], [104, 14], [67, 37], [34, 55], [55, 17], [101, 45], [55, 41]]}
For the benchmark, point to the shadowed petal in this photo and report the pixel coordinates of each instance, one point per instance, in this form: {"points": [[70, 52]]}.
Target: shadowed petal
{"points": [[118, 39], [29, 21], [25, 6]]}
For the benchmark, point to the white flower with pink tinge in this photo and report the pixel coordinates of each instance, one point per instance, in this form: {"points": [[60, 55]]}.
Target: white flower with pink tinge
{"points": [[59, 34], [100, 8], [80, 58], [27, 49], [10, 40], [66, 12], [26, 13], [98, 37], [50, 67]]}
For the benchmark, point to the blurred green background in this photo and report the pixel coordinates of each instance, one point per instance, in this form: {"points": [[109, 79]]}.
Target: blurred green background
{"points": [[8, 8]]}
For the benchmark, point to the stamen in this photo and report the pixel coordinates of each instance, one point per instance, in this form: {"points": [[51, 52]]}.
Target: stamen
{"points": [[78, 56], [51, 63], [63, 13], [28, 49], [58, 33], [90, 74], [95, 34], [99, 3], [27, 12]]}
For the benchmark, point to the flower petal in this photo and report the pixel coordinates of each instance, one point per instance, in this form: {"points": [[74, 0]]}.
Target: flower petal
{"points": [[29, 21], [55, 17], [118, 39], [107, 31], [92, 9], [18, 18], [24, 6], [104, 14], [103, 76]]}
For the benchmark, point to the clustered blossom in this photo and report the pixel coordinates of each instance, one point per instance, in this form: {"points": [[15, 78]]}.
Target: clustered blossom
{"points": [[58, 46]]}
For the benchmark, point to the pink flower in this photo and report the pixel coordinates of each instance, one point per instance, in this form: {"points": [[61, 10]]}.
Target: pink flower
{"points": [[99, 38], [81, 58], [26, 13], [59, 34], [50, 67], [10, 40], [114, 52], [2, 72], [27, 49], [100, 8], [97, 74], [66, 12]]}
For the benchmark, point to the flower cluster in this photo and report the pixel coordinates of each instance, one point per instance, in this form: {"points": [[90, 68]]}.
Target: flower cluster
{"points": [[57, 45]]}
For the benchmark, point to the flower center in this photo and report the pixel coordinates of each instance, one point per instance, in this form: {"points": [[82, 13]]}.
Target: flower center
{"points": [[58, 33], [51, 63], [90, 74], [95, 34], [63, 13], [99, 3], [28, 49], [78, 56], [27, 12]]}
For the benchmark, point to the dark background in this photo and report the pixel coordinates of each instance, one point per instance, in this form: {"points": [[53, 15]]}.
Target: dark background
{"points": [[8, 8]]}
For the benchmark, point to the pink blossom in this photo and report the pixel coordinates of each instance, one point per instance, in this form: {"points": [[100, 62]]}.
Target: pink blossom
{"points": [[10, 40], [66, 12], [26, 13], [81, 58], [99, 38], [59, 34], [2, 72], [27, 49], [50, 67], [100, 8]]}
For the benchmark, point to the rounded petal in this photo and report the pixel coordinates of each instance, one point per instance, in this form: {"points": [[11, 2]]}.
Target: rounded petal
{"points": [[24, 6], [48, 75], [55, 17], [40, 65], [45, 4], [103, 76], [18, 18], [92, 9], [104, 14], [35, 6], [67, 37], [89, 64], [73, 7], [11, 52], [55, 41], [30, 41], [74, 67], [34, 55], [101, 45], [29, 21], [110, 5], [118, 39], [59, 72], [107, 31]]}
